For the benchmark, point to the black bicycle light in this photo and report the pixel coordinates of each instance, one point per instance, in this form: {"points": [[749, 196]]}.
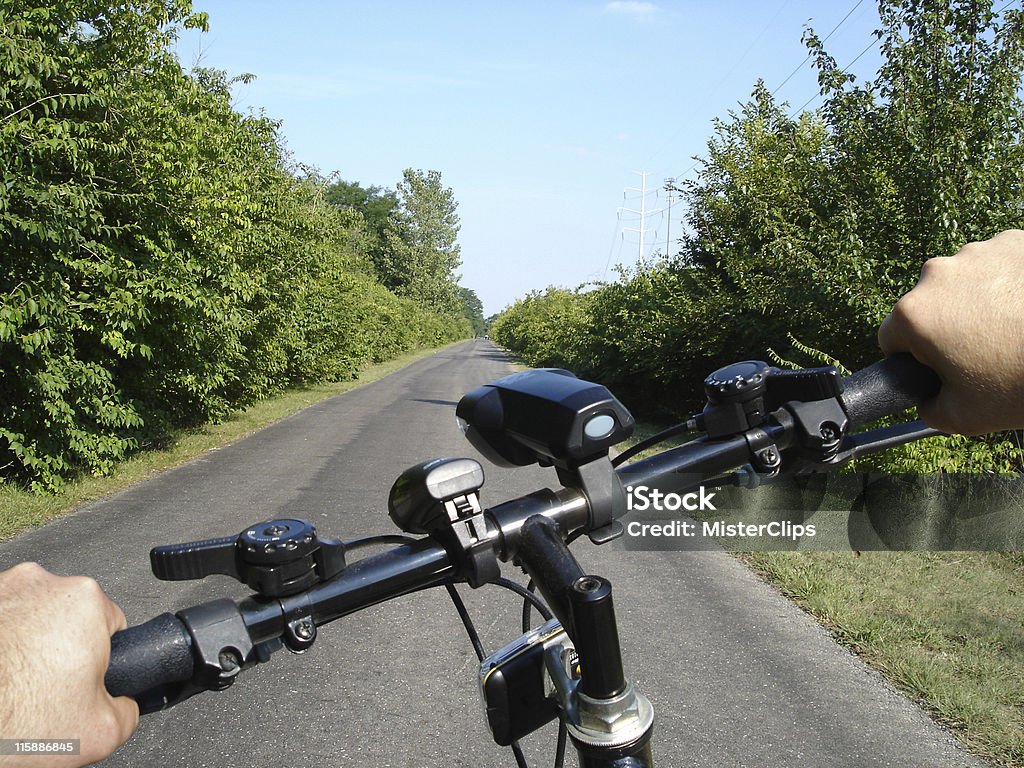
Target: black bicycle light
{"points": [[545, 415]]}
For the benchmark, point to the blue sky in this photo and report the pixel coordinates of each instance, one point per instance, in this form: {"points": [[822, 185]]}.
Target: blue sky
{"points": [[537, 114]]}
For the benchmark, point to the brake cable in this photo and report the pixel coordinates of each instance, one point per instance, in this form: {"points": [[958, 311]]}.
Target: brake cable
{"points": [[529, 598]]}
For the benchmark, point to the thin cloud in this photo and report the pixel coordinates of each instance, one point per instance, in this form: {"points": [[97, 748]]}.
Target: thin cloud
{"points": [[631, 8]]}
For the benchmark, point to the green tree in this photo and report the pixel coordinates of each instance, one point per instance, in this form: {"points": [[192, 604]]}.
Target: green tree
{"points": [[160, 263], [928, 155], [757, 216], [473, 310], [422, 252], [815, 225], [83, 261], [377, 206], [810, 226]]}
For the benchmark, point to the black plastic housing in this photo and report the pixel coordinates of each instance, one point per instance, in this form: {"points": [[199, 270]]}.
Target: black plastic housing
{"points": [[546, 416], [416, 501], [514, 688]]}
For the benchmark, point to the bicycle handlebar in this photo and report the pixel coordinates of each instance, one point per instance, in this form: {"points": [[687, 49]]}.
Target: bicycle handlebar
{"points": [[149, 656], [162, 652], [152, 655], [887, 387]]}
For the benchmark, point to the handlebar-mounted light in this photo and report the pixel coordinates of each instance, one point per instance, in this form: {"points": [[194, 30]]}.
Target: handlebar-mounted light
{"points": [[441, 498], [545, 416]]}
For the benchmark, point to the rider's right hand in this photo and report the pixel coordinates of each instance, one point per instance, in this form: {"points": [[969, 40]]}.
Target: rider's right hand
{"points": [[965, 320], [54, 650]]}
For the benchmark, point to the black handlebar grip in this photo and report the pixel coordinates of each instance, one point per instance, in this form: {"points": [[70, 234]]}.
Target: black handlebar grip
{"points": [[887, 387], [149, 655]]}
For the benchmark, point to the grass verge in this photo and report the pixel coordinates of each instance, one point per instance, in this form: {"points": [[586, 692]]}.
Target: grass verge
{"points": [[945, 628], [20, 509]]}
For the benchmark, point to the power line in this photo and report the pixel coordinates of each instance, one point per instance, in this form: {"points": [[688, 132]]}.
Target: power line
{"points": [[845, 70], [697, 161], [738, 61], [800, 66], [611, 248], [872, 44]]}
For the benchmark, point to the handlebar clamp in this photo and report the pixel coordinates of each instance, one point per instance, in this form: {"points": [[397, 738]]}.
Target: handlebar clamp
{"points": [[820, 427], [479, 561], [221, 644]]}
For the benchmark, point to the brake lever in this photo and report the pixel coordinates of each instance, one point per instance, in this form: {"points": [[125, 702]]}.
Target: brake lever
{"points": [[871, 442], [852, 447]]}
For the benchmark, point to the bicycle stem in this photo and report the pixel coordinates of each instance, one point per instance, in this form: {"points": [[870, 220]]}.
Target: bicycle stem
{"points": [[607, 719]]}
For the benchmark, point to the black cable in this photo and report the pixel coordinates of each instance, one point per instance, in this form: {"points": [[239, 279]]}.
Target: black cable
{"points": [[520, 757], [474, 638], [529, 598], [643, 445], [526, 610], [530, 589], [467, 622], [560, 749]]}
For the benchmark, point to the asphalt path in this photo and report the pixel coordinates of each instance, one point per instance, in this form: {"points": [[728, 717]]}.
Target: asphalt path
{"points": [[737, 674]]}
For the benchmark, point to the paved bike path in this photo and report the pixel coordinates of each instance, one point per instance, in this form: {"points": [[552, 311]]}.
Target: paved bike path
{"points": [[738, 675]]}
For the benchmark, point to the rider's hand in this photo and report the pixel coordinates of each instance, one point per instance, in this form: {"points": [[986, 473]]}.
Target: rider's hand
{"points": [[965, 320], [54, 649]]}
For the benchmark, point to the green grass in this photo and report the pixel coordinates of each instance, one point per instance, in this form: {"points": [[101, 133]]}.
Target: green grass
{"points": [[945, 628], [21, 509]]}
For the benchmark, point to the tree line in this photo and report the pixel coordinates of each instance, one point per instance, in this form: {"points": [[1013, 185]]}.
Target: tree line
{"points": [[162, 262], [802, 230]]}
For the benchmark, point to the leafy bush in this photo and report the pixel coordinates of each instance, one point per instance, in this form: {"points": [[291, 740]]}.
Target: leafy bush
{"points": [[161, 263], [812, 226]]}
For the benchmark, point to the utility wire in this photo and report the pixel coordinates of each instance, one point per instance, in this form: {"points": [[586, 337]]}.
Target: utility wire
{"points": [[790, 77], [738, 61], [871, 45], [800, 66], [611, 248], [845, 70]]}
